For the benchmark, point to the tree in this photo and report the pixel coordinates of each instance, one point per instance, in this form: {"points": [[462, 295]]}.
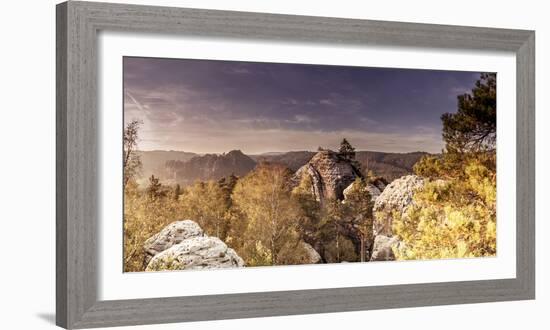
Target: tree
{"points": [[131, 159], [206, 203], [346, 150], [227, 184], [358, 210], [309, 217], [454, 214], [263, 198], [328, 232], [177, 192], [155, 189], [335, 233], [146, 212], [451, 218], [473, 127]]}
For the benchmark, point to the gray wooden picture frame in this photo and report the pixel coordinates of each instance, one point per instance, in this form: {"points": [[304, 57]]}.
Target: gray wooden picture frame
{"points": [[78, 24]]}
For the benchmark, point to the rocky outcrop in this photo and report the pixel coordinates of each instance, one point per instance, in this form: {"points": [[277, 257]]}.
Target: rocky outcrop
{"points": [[390, 166], [210, 167], [382, 249], [183, 245], [396, 197], [330, 174], [313, 256], [199, 252], [317, 187], [170, 235]]}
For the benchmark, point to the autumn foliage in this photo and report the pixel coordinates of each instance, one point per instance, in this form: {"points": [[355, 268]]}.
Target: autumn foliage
{"points": [[454, 214]]}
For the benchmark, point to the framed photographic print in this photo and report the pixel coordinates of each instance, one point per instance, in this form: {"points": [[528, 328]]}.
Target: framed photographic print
{"points": [[216, 165]]}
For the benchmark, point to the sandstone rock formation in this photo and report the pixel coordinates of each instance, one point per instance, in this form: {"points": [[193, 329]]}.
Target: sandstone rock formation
{"points": [[183, 245], [330, 174], [170, 235], [396, 197], [210, 167], [382, 248], [198, 252], [313, 256]]}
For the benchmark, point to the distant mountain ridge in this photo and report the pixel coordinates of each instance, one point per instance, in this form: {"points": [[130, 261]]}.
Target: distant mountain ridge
{"points": [[154, 161], [209, 167], [292, 159], [187, 167], [388, 165]]}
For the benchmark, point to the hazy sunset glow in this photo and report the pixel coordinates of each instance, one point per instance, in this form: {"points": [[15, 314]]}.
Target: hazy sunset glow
{"points": [[205, 106]]}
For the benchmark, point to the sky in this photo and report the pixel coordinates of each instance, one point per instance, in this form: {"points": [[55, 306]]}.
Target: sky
{"points": [[206, 106]]}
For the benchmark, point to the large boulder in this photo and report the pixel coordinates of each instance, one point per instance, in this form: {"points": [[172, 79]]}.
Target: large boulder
{"points": [[382, 249], [330, 174], [396, 197], [170, 235], [313, 256], [200, 252]]}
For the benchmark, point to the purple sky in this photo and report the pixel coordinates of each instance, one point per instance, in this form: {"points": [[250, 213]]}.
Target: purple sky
{"points": [[215, 106]]}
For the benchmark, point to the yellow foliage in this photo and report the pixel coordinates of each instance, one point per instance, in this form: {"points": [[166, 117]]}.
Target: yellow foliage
{"points": [[268, 217], [206, 203], [340, 249], [144, 217], [454, 217], [146, 214]]}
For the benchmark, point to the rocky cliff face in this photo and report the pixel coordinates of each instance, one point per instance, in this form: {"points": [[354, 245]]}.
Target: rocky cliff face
{"points": [[396, 197], [183, 245], [210, 167], [330, 174]]}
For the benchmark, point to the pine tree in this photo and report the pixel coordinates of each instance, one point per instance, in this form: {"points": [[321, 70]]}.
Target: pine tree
{"points": [[454, 214], [154, 190], [177, 191], [473, 127], [346, 150]]}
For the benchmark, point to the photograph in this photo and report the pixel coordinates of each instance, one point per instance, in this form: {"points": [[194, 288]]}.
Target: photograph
{"points": [[232, 164]]}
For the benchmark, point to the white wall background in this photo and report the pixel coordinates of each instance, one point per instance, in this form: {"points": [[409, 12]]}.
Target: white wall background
{"points": [[27, 165]]}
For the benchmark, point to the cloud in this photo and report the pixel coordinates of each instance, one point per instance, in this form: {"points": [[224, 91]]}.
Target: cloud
{"points": [[134, 101], [303, 119], [214, 106], [239, 71], [326, 102], [255, 141]]}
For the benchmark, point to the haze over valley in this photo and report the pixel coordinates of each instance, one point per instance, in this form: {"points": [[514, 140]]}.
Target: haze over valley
{"points": [[184, 168]]}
